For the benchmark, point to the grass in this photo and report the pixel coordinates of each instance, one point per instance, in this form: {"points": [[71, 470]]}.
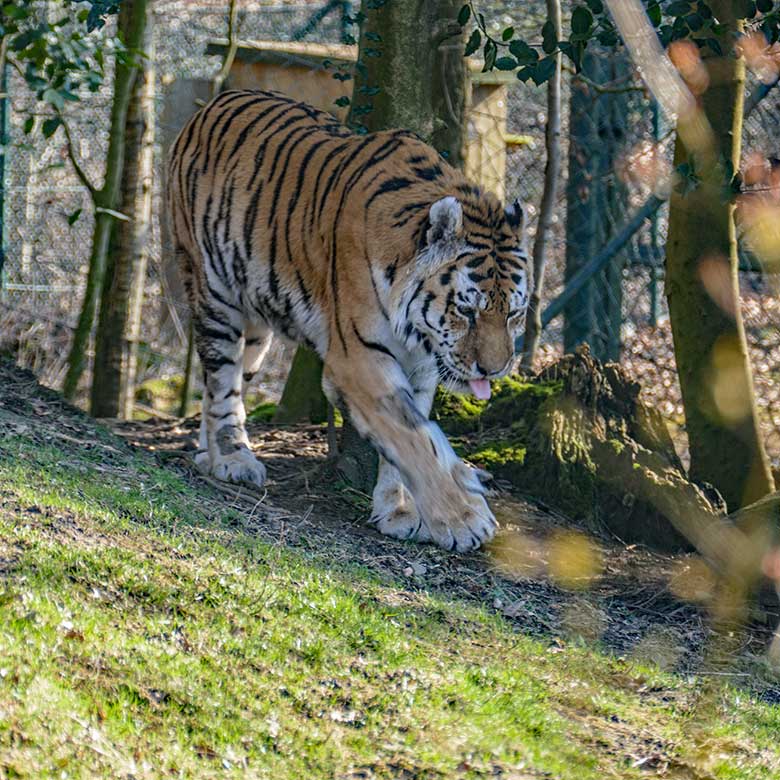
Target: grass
{"points": [[145, 632]]}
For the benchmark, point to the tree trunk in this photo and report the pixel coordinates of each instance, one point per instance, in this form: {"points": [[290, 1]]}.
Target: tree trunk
{"points": [[412, 76], [119, 324], [410, 73], [131, 25], [303, 398], [552, 143], [703, 292], [593, 204], [407, 75]]}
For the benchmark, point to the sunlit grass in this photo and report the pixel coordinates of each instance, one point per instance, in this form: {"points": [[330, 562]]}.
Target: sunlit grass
{"points": [[143, 632]]}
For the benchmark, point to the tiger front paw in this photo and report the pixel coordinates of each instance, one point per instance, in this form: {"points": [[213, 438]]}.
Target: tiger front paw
{"points": [[240, 466], [394, 513], [458, 518]]}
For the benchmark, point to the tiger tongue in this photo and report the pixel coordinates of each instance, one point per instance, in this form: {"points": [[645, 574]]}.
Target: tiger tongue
{"points": [[480, 388]]}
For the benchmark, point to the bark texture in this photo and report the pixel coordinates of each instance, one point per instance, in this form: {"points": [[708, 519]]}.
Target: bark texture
{"points": [[303, 398], [703, 292], [119, 323], [131, 28], [593, 203], [410, 74]]}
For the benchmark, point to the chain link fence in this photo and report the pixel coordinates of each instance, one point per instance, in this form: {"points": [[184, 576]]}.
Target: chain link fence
{"points": [[616, 151]]}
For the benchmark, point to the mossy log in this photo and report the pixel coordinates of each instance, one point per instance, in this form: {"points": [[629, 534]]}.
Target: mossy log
{"points": [[579, 438]]}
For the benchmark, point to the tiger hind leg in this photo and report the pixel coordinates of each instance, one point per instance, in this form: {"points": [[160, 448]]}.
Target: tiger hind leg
{"points": [[221, 347]]}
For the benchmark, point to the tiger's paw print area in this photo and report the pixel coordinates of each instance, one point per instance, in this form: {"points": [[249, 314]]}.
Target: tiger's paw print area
{"points": [[393, 511], [460, 519], [239, 467], [465, 530]]}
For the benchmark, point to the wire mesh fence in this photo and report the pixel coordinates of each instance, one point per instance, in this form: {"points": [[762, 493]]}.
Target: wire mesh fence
{"points": [[616, 152]]}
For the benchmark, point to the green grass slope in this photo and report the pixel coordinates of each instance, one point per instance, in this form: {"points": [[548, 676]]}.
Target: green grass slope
{"points": [[146, 631]]}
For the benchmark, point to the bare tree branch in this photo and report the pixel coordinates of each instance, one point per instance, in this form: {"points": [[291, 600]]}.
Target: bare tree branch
{"points": [[80, 172], [552, 142], [604, 89], [230, 54]]}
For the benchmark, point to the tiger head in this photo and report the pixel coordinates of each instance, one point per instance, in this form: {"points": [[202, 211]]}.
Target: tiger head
{"points": [[467, 292]]}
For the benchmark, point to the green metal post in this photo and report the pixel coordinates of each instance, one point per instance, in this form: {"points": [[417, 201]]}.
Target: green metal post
{"points": [[4, 138]]}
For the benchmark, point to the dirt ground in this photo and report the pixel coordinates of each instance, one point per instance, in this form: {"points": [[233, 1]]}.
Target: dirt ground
{"points": [[631, 605]]}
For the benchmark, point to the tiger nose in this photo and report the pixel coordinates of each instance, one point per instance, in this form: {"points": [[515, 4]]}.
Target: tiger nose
{"points": [[488, 373], [493, 362]]}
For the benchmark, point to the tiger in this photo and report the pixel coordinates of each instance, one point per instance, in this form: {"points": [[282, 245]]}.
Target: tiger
{"points": [[373, 251]]}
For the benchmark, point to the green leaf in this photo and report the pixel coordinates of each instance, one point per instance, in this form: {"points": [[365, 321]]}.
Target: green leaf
{"points": [[581, 20], [54, 97], [549, 38], [654, 13], [15, 12], [607, 38], [765, 6], [508, 34], [579, 52], [694, 21], [525, 73], [523, 52], [464, 14], [72, 218], [24, 39], [473, 43], [29, 123], [50, 126], [715, 46], [342, 101], [374, 36], [678, 8], [595, 5], [506, 63], [544, 70], [490, 51]]}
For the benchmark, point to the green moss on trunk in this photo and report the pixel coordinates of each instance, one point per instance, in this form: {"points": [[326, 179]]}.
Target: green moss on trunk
{"points": [[579, 438]]}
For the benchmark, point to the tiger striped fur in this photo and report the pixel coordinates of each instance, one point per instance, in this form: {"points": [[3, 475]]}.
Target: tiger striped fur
{"points": [[374, 252]]}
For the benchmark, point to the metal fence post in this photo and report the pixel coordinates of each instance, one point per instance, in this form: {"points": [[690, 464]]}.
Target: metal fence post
{"points": [[4, 138]]}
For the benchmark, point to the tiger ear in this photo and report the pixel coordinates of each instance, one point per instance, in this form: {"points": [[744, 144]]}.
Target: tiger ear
{"points": [[445, 220], [516, 217]]}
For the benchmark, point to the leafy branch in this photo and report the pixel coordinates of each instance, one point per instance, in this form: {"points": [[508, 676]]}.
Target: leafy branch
{"points": [[590, 21], [71, 151], [57, 59]]}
